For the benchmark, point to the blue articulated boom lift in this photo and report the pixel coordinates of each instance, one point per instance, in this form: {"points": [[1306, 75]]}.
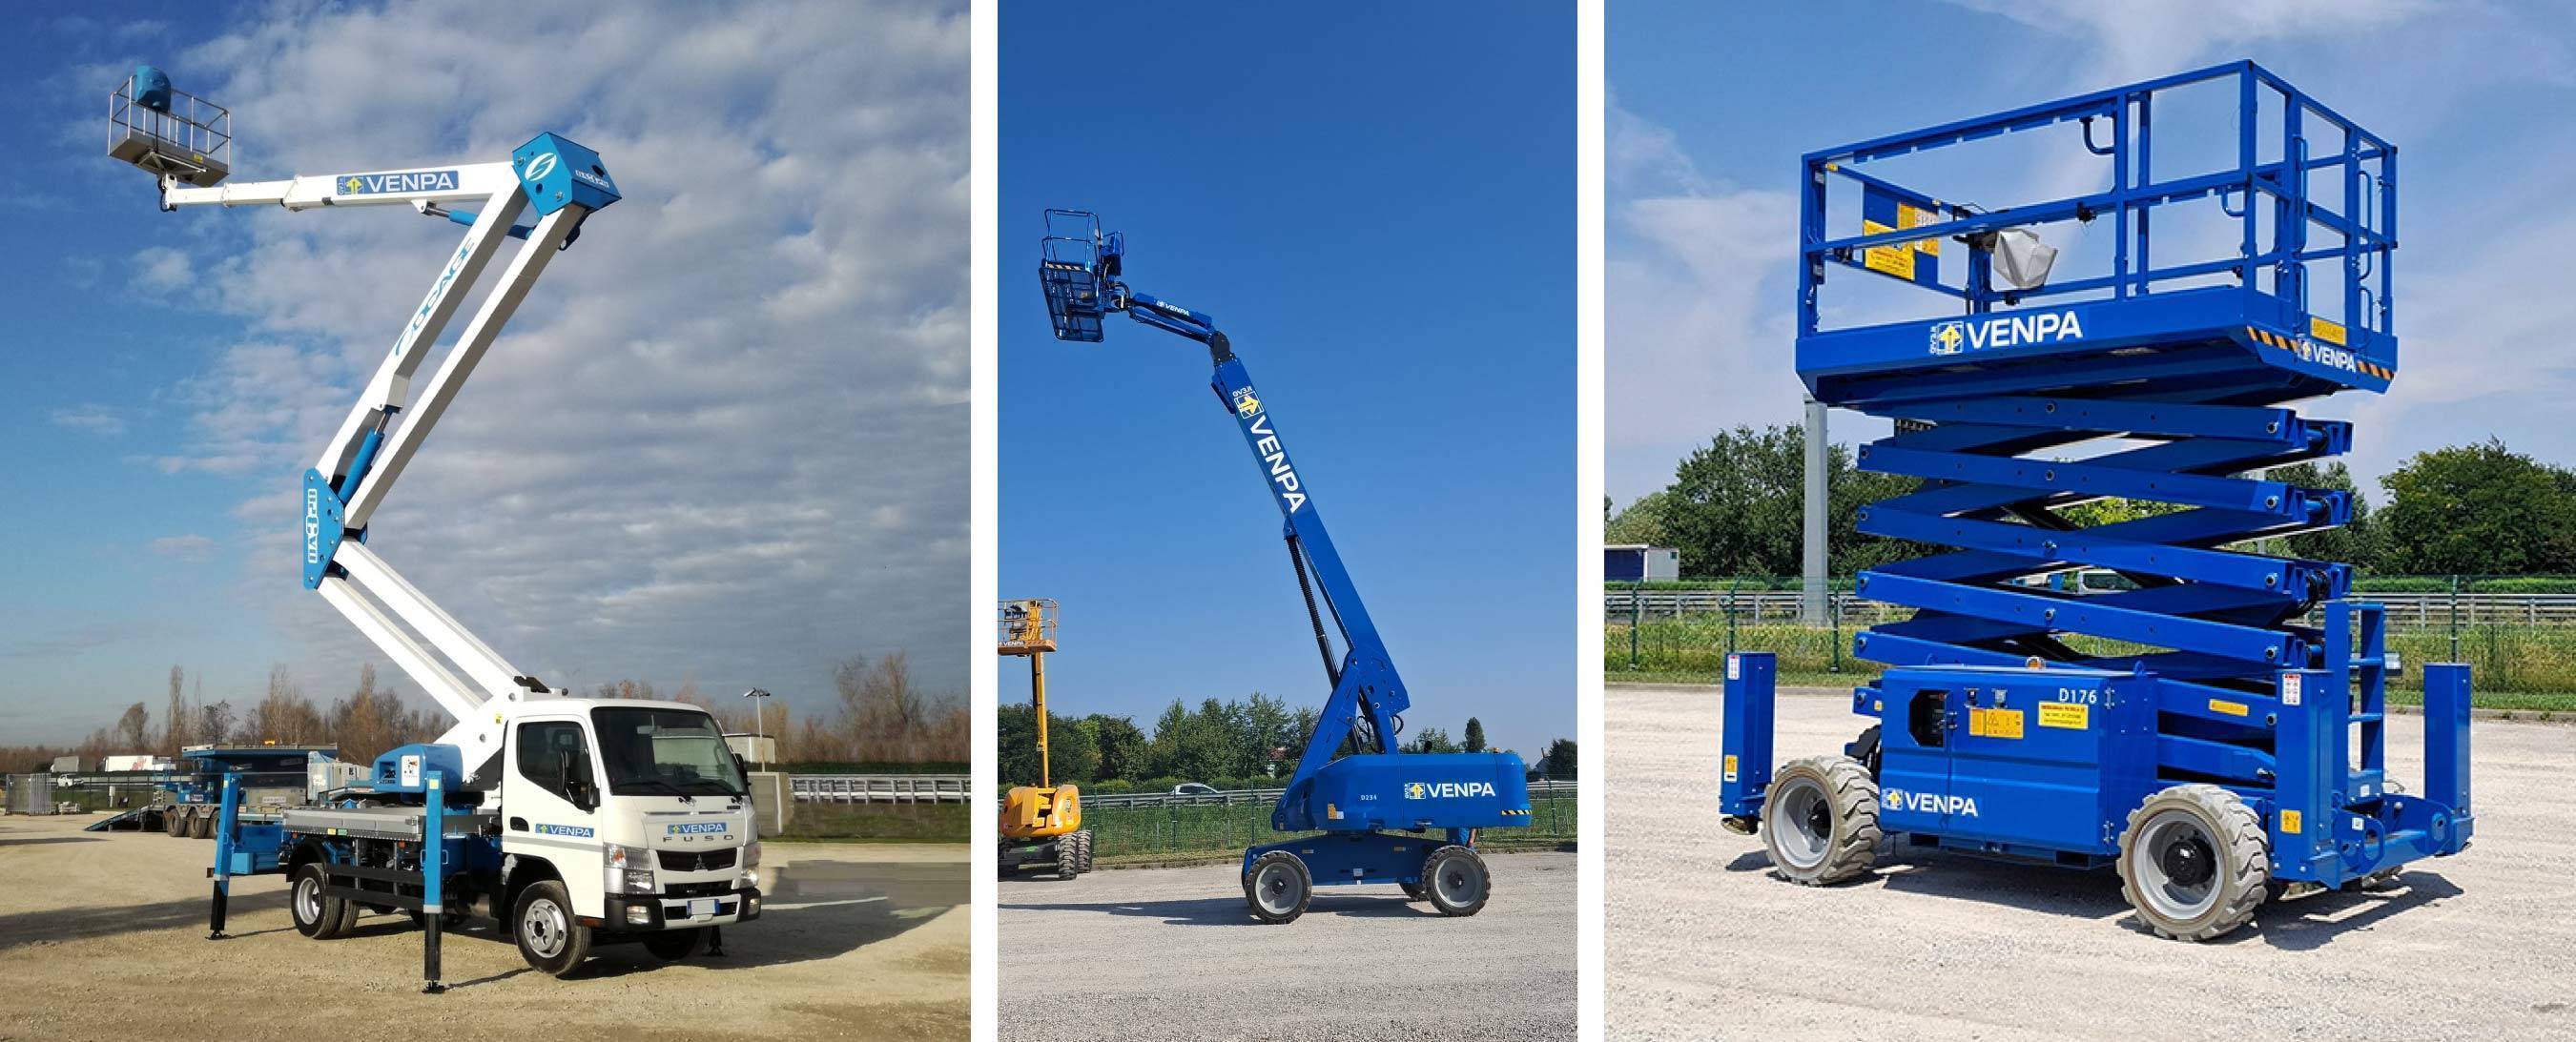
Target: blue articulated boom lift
{"points": [[1382, 815], [2216, 728]]}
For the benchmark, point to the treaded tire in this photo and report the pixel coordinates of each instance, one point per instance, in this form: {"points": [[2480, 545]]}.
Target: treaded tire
{"points": [[316, 916], [1073, 854], [175, 822], [1456, 881], [559, 942], [1834, 836], [1280, 879], [202, 826], [2171, 902]]}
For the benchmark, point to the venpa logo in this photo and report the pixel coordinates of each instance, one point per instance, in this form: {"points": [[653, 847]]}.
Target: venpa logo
{"points": [[1282, 473], [2013, 331], [1949, 337], [539, 167], [1928, 803], [1246, 403], [398, 181], [1447, 790], [312, 526]]}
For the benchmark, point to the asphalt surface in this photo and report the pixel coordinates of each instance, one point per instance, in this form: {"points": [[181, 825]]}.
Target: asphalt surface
{"points": [[1706, 944], [102, 936], [1171, 953]]}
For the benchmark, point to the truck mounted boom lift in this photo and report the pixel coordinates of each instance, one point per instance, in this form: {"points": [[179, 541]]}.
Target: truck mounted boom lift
{"points": [[576, 820], [1378, 808], [2216, 731]]}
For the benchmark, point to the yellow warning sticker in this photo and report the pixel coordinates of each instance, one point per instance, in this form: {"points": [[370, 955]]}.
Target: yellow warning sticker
{"points": [[2068, 715], [1897, 260], [2221, 705], [1730, 767], [1995, 723], [2330, 332], [1910, 217], [2290, 821]]}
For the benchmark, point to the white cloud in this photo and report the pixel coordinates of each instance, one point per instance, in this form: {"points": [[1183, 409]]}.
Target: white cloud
{"points": [[677, 460], [188, 547], [2131, 42], [93, 419], [161, 269]]}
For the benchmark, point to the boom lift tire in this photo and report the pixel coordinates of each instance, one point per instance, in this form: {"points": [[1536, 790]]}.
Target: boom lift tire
{"points": [[550, 939], [1820, 820], [1413, 892], [1455, 881], [675, 945], [1278, 887], [2195, 862], [1073, 854], [317, 915]]}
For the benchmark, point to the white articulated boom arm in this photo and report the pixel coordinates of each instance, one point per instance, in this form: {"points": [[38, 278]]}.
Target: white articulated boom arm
{"points": [[564, 183]]}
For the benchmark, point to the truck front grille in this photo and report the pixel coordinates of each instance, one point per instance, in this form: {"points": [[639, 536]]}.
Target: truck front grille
{"points": [[696, 860]]}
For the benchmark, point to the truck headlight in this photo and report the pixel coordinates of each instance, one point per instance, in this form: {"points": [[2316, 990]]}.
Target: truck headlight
{"points": [[630, 870], [751, 864]]}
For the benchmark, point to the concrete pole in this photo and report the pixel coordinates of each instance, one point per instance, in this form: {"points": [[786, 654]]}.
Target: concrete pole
{"points": [[1811, 599]]}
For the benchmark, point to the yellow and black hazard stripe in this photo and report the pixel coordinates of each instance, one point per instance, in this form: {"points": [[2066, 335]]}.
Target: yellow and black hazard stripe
{"points": [[2271, 339], [1523, 812]]}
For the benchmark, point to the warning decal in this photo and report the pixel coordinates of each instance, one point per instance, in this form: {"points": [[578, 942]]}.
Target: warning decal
{"points": [[1995, 723], [2071, 716]]}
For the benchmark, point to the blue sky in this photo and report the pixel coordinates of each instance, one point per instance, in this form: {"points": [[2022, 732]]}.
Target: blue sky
{"points": [[1712, 107], [632, 485], [1378, 209]]}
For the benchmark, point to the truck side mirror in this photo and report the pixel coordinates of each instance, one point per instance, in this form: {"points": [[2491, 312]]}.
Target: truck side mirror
{"points": [[741, 766]]}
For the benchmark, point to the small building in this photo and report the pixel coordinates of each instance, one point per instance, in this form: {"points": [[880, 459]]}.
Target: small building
{"points": [[1638, 562]]}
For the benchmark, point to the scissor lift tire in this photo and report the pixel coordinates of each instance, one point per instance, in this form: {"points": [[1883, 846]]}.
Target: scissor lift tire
{"points": [[1820, 820], [2195, 862]]}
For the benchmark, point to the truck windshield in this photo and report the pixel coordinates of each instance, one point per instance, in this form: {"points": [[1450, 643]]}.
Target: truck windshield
{"points": [[668, 752]]}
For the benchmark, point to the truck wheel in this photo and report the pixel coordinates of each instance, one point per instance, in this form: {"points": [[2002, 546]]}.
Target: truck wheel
{"points": [[317, 915], [1820, 820], [174, 821], [1277, 887], [202, 826], [2194, 862], [1454, 879], [550, 939], [675, 945]]}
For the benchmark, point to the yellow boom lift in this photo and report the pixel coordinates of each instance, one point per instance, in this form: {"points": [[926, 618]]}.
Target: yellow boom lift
{"points": [[1041, 823]]}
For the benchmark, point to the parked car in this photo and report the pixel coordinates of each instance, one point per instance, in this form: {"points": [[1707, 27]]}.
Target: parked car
{"points": [[1193, 789]]}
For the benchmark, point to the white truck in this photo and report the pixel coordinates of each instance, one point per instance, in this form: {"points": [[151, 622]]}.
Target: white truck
{"points": [[571, 821]]}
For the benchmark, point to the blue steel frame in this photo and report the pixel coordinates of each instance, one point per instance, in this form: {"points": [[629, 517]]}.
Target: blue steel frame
{"points": [[2184, 384], [1348, 797]]}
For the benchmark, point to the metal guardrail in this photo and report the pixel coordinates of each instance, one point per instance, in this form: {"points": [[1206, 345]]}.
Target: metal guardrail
{"points": [[1543, 789], [880, 788], [1758, 607]]}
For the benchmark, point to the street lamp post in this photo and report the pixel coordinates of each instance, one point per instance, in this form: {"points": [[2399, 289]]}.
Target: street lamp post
{"points": [[760, 736]]}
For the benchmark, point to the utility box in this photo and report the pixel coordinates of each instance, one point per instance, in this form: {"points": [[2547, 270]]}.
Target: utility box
{"points": [[1638, 562], [2042, 764]]}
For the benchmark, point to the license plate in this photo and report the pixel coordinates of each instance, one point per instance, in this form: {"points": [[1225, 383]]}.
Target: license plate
{"points": [[702, 907]]}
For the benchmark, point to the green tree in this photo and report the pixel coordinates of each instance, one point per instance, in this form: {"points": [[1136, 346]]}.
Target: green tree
{"points": [[1559, 761], [1475, 742], [2478, 509], [2356, 544], [1125, 752], [1736, 506], [1642, 522], [1073, 751], [1431, 740]]}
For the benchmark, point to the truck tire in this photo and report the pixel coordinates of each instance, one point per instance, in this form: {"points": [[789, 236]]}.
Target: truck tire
{"points": [[174, 820], [1278, 887], [317, 915], [1456, 882], [675, 945], [202, 825], [550, 939], [1820, 820], [2195, 862]]}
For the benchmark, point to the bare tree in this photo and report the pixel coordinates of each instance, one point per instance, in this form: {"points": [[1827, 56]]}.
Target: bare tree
{"points": [[134, 729], [175, 719]]}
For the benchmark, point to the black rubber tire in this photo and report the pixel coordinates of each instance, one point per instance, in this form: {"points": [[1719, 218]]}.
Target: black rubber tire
{"points": [[202, 826], [1073, 855], [2234, 836], [1280, 876], [1848, 811], [1456, 881], [174, 821], [675, 945], [562, 942], [316, 915]]}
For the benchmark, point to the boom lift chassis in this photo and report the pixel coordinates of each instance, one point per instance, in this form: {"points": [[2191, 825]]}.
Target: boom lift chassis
{"points": [[2199, 731], [1381, 815]]}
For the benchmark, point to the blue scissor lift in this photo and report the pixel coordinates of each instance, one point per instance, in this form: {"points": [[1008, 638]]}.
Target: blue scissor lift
{"points": [[1380, 815], [2217, 730]]}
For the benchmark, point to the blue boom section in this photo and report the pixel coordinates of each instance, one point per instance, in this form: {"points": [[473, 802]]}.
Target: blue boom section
{"points": [[1359, 797], [2160, 382]]}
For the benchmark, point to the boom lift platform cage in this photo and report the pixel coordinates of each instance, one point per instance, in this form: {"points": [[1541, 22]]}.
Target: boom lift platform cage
{"points": [[2218, 732]]}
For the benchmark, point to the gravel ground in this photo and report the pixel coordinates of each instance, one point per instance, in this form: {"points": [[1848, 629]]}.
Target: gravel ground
{"points": [[1170, 953], [102, 937], [1704, 943]]}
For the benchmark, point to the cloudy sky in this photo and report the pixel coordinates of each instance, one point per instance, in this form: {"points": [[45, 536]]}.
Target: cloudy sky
{"points": [[724, 441], [1710, 113]]}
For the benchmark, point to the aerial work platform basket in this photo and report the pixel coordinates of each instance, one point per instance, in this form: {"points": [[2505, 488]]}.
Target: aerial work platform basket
{"points": [[2220, 718], [169, 132], [1078, 268]]}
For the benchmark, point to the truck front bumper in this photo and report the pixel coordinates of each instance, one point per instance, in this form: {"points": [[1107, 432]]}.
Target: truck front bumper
{"points": [[681, 911]]}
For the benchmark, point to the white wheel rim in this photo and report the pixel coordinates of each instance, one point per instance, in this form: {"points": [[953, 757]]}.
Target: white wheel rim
{"points": [[1457, 882], [2171, 897], [1275, 889], [308, 899], [542, 926], [1793, 809]]}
